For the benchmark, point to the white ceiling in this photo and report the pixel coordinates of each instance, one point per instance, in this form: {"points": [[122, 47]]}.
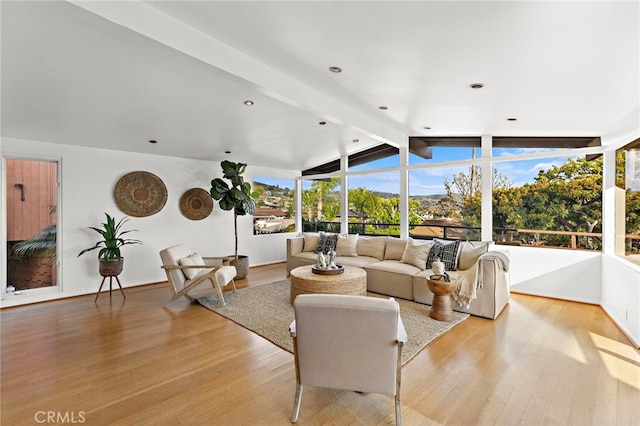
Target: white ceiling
{"points": [[117, 74]]}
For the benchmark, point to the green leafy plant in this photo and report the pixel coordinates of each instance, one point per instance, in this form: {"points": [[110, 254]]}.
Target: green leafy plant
{"points": [[235, 195], [112, 239], [43, 242]]}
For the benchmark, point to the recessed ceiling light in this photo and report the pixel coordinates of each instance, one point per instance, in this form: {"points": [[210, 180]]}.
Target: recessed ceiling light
{"points": [[512, 119], [153, 141], [322, 123], [384, 108], [476, 85], [227, 152], [355, 140], [248, 102], [335, 69]]}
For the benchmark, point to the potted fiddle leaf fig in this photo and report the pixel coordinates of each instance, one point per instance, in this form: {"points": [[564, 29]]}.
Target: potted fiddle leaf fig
{"points": [[235, 195], [110, 260]]}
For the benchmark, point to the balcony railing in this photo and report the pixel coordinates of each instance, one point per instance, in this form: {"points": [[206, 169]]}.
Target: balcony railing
{"points": [[522, 237]]}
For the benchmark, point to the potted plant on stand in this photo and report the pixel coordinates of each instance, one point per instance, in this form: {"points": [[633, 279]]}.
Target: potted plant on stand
{"points": [[110, 260], [236, 196]]}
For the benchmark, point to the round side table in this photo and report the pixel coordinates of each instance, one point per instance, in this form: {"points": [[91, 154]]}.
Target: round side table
{"points": [[441, 309]]}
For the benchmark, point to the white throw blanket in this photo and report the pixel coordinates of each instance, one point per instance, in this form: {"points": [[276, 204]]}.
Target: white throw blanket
{"points": [[470, 281]]}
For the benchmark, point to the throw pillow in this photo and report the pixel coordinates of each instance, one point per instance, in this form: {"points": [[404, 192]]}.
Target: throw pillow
{"points": [[395, 248], [193, 259], [326, 242], [416, 253], [347, 245], [371, 247], [447, 253], [310, 241], [470, 251]]}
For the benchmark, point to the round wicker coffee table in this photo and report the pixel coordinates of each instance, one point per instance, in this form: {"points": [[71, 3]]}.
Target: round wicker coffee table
{"points": [[304, 281]]}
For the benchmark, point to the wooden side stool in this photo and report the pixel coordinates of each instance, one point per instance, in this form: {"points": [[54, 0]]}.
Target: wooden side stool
{"points": [[441, 309]]}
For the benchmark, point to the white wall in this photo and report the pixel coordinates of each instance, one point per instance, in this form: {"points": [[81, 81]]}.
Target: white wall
{"points": [[621, 295], [88, 177], [562, 274]]}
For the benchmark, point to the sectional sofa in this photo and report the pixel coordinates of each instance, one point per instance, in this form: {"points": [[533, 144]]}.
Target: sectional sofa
{"points": [[400, 267]]}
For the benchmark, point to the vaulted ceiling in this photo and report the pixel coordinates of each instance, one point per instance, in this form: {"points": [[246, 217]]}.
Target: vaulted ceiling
{"points": [[118, 74]]}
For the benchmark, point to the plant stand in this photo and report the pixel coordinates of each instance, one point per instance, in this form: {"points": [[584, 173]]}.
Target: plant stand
{"points": [[111, 277]]}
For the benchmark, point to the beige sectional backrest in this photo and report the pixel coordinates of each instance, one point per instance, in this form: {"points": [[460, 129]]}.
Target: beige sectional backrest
{"points": [[395, 248], [371, 246]]}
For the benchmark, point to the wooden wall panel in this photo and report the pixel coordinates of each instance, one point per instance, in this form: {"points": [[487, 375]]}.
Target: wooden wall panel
{"points": [[39, 179]]}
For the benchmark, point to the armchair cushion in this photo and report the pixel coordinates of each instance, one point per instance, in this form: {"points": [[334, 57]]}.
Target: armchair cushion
{"points": [[194, 259]]}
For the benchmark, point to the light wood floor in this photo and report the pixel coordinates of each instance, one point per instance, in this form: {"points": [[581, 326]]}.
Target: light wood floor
{"points": [[541, 362]]}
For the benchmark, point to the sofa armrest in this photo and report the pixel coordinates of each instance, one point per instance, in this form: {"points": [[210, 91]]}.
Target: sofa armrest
{"points": [[499, 258], [493, 280], [294, 245]]}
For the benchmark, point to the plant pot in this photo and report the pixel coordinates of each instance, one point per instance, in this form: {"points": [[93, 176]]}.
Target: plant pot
{"points": [[110, 268], [241, 264]]}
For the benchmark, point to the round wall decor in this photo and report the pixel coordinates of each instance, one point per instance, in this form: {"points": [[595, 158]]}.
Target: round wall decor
{"points": [[140, 194], [196, 204]]}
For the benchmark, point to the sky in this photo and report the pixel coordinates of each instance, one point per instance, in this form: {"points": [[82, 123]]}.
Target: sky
{"points": [[431, 181]]}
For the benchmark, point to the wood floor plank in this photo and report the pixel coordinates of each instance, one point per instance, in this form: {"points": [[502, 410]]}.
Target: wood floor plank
{"points": [[133, 362]]}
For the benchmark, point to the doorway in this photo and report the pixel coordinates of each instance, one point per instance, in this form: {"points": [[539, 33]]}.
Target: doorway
{"points": [[32, 216]]}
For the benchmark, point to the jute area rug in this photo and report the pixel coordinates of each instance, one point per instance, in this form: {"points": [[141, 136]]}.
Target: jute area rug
{"points": [[266, 311]]}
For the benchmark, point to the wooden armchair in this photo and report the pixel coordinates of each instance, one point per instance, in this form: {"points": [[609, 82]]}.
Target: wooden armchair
{"points": [[187, 270]]}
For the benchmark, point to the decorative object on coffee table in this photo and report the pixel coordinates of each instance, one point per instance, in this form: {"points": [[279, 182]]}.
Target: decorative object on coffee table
{"points": [[339, 269], [196, 204], [441, 309], [352, 281], [140, 194]]}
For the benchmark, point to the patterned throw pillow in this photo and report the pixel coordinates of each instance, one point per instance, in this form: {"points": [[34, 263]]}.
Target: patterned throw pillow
{"points": [[447, 253], [326, 242]]}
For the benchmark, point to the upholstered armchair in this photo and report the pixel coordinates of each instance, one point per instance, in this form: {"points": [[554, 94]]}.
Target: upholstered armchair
{"points": [[187, 272], [347, 342]]}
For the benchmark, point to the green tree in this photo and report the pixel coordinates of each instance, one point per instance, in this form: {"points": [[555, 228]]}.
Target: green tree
{"points": [[314, 198], [364, 202]]}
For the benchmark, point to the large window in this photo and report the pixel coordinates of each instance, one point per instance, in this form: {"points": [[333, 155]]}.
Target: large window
{"points": [[275, 208], [374, 204], [321, 205], [444, 202], [627, 240], [549, 202]]}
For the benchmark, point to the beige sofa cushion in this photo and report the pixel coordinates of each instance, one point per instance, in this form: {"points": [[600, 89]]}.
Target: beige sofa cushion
{"points": [[347, 245], [371, 246], [416, 253], [395, 248], [310, 241], [470, 251]]}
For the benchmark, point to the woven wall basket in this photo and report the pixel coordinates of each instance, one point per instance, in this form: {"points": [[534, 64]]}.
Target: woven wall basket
{"points": [[140, 194], [196, 204]]}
